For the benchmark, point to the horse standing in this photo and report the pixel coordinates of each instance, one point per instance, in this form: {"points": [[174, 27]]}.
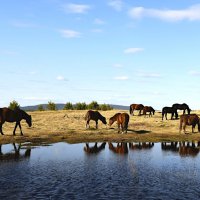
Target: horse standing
{"points": [[94, 115], [121, 148], [166, 110], [183, 107], [136, 107], [122, 120], [190, 120], [8, 115], [148, 109]]}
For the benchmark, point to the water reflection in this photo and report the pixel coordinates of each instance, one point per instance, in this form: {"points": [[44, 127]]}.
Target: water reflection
{"points": [[120, 148], [182, 148], [141, 145], [94, 149], [14, 154]]}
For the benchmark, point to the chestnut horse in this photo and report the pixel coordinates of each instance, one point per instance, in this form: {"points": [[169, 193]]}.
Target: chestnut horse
{"points": [[8, 115], [148, 109], [183, 107], [121, 148], [136, 107], [190, 120], [166, 110], [122, 120], [95, 116]]}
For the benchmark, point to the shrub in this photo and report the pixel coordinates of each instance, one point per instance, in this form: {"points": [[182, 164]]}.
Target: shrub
{"points": [[13, 105], [51, 106], [40, 108], [105, 107], [68, 106], [93, 105], [80, 106]]}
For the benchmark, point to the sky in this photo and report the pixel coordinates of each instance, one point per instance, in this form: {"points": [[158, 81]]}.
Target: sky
{"points": [[109, 51]]}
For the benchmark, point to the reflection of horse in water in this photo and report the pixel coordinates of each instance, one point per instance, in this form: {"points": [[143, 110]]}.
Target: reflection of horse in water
{"points": [[8, 115], [183, 148], [136, 107], [166, 110], [16, 155], [183, 107], [141, 145], [95, 148], [189, 120], [122, 120], [148, 109], [94, 115], [121, 148]]}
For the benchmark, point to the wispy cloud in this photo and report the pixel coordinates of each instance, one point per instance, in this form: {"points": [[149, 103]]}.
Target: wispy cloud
{"points": [[8, 52], [20, 24], [116, 4], [148, 75], [191, 13], [97, 30], [121, 78], [117, 65], [99, 21], [194, 73], [61, 78], [76, 8], [133, 50], [67, 33]]}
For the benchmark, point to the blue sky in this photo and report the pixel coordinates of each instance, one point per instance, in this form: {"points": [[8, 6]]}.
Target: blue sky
{"points": [[111, 51]]}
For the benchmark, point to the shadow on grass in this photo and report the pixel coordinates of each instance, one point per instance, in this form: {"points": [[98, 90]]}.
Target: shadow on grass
{"points": [[139, 131]]}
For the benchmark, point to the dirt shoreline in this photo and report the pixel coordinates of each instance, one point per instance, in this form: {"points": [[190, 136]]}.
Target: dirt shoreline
{"points": [[69, 126]]}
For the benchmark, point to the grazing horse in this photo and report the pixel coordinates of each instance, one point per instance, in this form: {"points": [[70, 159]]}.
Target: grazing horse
{"points": [[8, 115], [136, 107], [190, 120], [94, 115], [121, 148], [148, 109], [122, 120], [183, 107], [166, 110]]}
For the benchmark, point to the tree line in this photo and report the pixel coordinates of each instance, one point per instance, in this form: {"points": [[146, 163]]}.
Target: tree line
{"points": [[68, 106]]}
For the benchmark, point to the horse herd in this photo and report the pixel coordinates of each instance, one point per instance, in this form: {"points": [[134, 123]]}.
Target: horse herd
{"points": [[122, 119]]}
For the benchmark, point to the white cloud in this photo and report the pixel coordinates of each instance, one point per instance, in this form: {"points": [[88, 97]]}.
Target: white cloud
{"points": [[61, 78], [133, 50], [19, 24], [116, 4], [191, 13], [76, 8], [117, 65], [97, 30], [148, 75], [67, 33], [194, 73], [99, 21], [121, 78]]}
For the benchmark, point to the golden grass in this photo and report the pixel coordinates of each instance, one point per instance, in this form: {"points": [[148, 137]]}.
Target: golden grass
{"points": [[55, 126]]}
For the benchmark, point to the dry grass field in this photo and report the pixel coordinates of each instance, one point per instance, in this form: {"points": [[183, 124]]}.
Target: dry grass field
{"points": [[55, 126]]}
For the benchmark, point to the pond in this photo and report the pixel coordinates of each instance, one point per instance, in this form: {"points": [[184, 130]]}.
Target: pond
{"points": [[100, 171]]}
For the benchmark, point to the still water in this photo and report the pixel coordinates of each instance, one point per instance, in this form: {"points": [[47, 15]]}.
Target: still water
{"points": [[100, 171]]}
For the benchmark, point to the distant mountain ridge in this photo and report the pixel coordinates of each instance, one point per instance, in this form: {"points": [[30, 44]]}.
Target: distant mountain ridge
{"points": [[60, 106]]}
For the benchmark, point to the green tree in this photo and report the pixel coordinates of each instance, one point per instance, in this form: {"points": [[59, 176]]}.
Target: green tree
{"points": [[93, 105], [80, 106], [68, 106], [13, 105], [105, 107], [51, 106], [40, 108]]}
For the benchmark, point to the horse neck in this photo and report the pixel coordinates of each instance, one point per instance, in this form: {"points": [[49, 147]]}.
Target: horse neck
{"points": [[24, 114]]}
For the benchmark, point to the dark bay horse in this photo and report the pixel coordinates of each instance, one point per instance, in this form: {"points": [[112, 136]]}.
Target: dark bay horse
{"points": [[136, 107], [8, 115], [122, 120], [166, 110], [148, 109], [183, 107], [189, 120], [94, 115]]}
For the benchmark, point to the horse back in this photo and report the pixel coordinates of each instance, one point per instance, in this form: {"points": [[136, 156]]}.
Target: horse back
{"points": [[92, 115], [8, 115]]}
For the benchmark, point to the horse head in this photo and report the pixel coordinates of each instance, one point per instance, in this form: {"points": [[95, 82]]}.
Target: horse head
{"points": [[104, 120], [29, 120]]}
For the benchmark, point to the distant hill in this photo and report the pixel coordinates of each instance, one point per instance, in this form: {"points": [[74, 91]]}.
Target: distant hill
{"points": [[60, 106]]}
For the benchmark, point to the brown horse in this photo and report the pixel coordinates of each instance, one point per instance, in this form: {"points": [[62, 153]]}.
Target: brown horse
{"points": [[183, 107], [94, 115], [190, 120], [122, 120], [8, 115], [166, 110], [136, 107], [121, 148], [148, 109]]}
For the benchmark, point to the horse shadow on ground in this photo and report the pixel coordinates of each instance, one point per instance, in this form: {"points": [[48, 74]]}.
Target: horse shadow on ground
{"points": [[138, 131]]}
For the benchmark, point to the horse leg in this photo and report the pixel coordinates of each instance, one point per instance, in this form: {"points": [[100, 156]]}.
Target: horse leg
{"points": [[97, 124], [87, 124], [184, 125], [15, 128], [118, 127], [20, 128], [180, 127]]}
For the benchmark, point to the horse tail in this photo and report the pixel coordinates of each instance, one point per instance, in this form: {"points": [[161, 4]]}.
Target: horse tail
{"points": [[163, 112], [130, 109], [199, 126]]}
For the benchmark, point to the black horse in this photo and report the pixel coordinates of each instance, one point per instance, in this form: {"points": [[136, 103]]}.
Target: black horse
{"points": [[166, 110], [183, 107], [8, 115], [94, 115]]}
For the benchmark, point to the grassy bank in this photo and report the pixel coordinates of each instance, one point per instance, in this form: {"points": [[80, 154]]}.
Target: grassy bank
{"points": [[69, 126]]}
